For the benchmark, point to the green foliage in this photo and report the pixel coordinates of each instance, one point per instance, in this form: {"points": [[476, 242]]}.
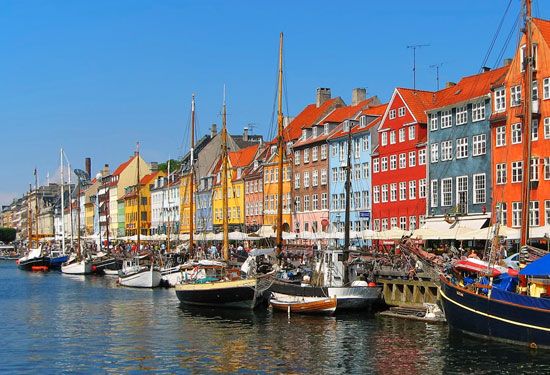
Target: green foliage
{"points": [[7, 235], [174, 166]]}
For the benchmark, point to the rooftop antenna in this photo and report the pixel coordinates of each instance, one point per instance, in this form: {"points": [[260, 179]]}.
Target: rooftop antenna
{"points": [[436, 67], [414, 47]]}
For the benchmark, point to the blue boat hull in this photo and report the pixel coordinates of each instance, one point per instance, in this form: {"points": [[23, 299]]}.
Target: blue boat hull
{"points": [[55, 263], [478, 315]]}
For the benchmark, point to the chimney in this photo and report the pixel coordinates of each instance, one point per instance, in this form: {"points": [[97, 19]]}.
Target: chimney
{"points": [[88, 167], [154, 166], [323, 94], [450, 84], [507, 62], [485, 69], [105, 171], [358, 95], [245, 134], [213, 131]]}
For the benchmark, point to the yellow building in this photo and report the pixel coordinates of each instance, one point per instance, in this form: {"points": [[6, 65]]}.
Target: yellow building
{"points": [[271, 192], [90, 201], [185, 202], [130, 199], [238, 160]]}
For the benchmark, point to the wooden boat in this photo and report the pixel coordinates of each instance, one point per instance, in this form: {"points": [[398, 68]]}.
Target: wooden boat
{"points": [[304, 305]]}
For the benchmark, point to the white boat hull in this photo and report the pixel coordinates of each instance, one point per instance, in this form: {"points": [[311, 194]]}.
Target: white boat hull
{"points": [[145, 278], [84, 267]]}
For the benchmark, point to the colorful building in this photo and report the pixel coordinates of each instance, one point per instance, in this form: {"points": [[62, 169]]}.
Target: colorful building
{"points": [[253, 178], [130, 199]]}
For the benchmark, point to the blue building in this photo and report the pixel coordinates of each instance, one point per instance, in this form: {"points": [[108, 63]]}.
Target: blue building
{"points": [[362, 131], [459, 152], [203, 204]]}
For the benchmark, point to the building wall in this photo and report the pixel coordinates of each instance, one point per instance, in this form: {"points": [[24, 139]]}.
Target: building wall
{"points": [[235, 202], [271, 193], [254, 201]]}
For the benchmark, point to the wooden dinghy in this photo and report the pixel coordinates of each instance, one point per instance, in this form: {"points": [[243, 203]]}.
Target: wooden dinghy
{"points": [[313, 306]]}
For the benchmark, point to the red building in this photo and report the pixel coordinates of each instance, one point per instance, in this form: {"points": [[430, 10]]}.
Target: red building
{"points": [[399, 162]]}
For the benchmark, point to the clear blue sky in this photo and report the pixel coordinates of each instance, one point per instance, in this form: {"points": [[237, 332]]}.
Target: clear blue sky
{"points": [[96, 76]]}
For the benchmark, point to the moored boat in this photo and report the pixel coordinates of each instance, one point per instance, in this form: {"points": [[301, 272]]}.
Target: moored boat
{"points": [[77, 266], [303, 305], [33, 259]]}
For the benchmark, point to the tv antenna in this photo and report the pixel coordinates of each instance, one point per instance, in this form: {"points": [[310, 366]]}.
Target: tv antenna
{"points": [[414, 47], [436, 67]]}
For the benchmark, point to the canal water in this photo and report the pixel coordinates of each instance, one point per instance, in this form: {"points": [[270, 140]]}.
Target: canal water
{"points": [[54, 323]]}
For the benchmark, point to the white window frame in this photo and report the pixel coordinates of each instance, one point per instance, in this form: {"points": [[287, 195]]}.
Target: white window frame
{"points": [[500, 132], [446, 192], [462, 148], [501, 173], [480, 188], [461, 116], [500, 100], [479, 145], [478, 111], [434, 193], [446, 119]]}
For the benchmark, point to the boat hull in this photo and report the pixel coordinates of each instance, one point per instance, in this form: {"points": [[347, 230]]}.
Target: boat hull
{"points": [[56, 262], [478, 315], [28, 264], [84, 267], [147, 278], [234, 294], [349, 298], [306, 306]]}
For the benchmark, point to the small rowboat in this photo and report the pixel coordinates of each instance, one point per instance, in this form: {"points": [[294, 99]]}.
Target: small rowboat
{"points": [[314, 306]]}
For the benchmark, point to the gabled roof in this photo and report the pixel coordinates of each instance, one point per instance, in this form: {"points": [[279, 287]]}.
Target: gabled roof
{"points": [[418, 102], [470, 87], [544, 28], [123, 166], [375, 111], [149, 177], [309, 115], [345, 113], [244, 157]]}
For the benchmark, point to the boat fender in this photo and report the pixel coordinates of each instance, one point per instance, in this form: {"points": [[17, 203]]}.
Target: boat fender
{"points": [[178, 259], [371, 284]]}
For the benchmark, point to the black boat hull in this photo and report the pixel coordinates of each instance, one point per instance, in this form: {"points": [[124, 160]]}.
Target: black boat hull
{"points": [[478, 315], [234, 294], [27, 265]]}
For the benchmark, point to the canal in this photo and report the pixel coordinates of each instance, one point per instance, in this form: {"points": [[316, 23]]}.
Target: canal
{"points": [[54, 323]]}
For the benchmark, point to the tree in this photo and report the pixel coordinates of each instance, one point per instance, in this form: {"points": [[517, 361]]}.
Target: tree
{"points": [[7, 235], [174, 166]]}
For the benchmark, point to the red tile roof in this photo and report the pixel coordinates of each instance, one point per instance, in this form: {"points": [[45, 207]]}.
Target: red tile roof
{"points": [[244, 157], [309, 115], [378, 110], [123, 166], [149, 177], [470, 87], [544, 28], [418, 102], [345, 113]]}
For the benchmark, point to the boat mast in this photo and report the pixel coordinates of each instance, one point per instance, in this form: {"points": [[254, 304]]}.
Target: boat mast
{"points": [[225, 246], [168, 201], [78, 253], [138, 203], [63, 206], [347, 215], [29, 217], [280, 150], [71, 204], [36, 213], [192, 176], [527, 119]]}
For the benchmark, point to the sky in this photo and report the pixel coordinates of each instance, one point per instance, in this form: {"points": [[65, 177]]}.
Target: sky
{"points": [[95, 77]]}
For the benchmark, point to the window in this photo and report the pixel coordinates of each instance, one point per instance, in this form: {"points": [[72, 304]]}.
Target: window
{"points": [[516, 133], [375, 165], [314, 132], [422, 156], [384, 140], [547, 212], [479, 188], [446, 150], [412, 189], [534, 169], [384, 224], [434, 152], [500, 99], [357, 148], [323, 152], [501, 173], [365, 143], [306, 155], [412, 222], [306, 202], [392, 137], [535, 130], [502, 214], [393, 162], [479, 145], [334, 174], [334, 202], [515, 96], [393, 222], [356, 171], [376, 194], [403, 223], [315, 178], [342, 174], [501, 136], [461, 115], [433, 122], [546, 88], [412, 132], [434, 193], [402, 161], [534, 214], [392, 114], [334, 150], [402, 191], [478, 111], [412, 158], [402, 134], [366, 170], [314, 153], [323, 176], [422, 188], [384, 193], [517, 171], [535, 92], [447, 192], [324, 201], [462, 193], [366, 199], [547, 128], [401, 111], [461, 148], [384, 164], [547, 168], [393, 192], [306, 179], [325, 129], [297, 157], [516, 214], [376, 224], [315, 202], [446, 119]]}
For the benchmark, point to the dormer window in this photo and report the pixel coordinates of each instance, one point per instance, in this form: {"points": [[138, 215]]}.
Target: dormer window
{"points": [[314, 131], [304, 133], [346, 126], [256, 164], [363, 121], [273, 149], [325, 129], [522, 57], [239, 172]]}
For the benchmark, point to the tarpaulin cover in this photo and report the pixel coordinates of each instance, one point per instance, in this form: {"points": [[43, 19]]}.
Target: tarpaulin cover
{"points": [[540, 267]]}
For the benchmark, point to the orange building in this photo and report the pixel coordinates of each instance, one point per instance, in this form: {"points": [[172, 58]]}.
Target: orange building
{"points": [[508, 136]]}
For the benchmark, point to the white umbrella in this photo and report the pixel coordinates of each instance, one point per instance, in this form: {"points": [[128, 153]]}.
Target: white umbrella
{"points": [[237, 236]]}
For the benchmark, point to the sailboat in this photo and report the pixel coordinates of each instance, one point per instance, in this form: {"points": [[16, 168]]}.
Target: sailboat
{"points": [[491, 305], [78, 264], [34, 260], [57, 258], [134, 273], [225, 287], [357, 296]]}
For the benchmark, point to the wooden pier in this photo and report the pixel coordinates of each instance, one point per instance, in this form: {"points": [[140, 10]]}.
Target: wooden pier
{"points": [[408, 292]]}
